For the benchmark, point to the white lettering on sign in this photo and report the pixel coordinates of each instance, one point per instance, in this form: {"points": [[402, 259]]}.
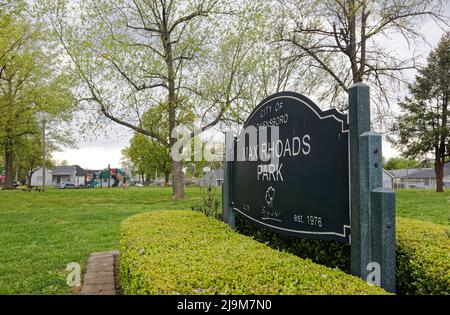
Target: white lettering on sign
{"points": [[290, 147], [269, 109], [306, 145], [275, 121], [270, 172]]}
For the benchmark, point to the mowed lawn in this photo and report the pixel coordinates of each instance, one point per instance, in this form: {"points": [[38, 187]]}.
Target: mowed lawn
{"points": [[424, 204], [40, 233]]}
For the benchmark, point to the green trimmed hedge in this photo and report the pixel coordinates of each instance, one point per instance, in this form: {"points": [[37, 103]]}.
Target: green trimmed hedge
{"points": [[329, 253], [423, 253], [185, 252], [423, 257]]}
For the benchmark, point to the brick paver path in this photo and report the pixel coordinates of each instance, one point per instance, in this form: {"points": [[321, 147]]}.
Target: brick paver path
{"points": [[100, 278]]}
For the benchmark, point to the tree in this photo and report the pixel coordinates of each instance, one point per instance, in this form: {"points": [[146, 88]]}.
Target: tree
{"points": [[147, 157], [424, 126], [133, 55], [145, 154], [396, 163], [344, 39], [145, 48], [33, 86], [29, 156]]}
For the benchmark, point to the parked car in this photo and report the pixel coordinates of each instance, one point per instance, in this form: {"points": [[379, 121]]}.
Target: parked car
{"points": [[67, 186]]}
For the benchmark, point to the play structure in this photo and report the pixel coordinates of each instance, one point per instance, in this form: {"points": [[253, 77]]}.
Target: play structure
{"points": [[107, 178]]}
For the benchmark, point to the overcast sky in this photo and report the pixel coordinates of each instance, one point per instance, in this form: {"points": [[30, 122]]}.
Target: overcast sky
{"points": [[104, 149]]}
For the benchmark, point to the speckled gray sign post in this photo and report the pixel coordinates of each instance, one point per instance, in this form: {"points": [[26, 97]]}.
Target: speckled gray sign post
{"points": [[228, 215], [372, 206]]}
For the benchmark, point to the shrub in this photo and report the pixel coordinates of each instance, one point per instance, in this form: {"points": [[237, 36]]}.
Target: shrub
{"points": [[185, 252], [423, 255], [209, 204], [423, 252], [332, 254]]}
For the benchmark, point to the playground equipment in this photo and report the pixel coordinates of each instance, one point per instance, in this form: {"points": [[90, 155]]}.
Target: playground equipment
{"points": [[108, 177]]}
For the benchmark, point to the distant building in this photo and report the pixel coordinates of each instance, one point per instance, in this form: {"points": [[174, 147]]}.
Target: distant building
{"points": [[215, 177], [426, 178], [59, 175], [417, 177]]}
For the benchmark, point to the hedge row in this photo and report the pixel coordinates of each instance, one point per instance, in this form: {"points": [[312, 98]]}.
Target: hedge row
{"points": [[329, 253], [423, 253], [185, 252], [423, 257]]}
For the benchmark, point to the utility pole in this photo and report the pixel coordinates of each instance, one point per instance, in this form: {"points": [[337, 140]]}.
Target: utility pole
{"points": [[43, 154], [109, 176]]}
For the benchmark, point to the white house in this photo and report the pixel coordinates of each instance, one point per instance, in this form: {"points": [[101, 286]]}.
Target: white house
{"points": [[426, 178], [58, 175], [215, 178], [417, 177], [36, 179]]}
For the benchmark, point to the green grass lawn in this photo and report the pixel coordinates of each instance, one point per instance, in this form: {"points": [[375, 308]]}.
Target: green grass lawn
{"points": [[40, 233], [424, 205]]}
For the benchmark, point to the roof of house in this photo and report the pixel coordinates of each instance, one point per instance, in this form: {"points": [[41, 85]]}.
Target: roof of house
{"points": [[79, 171], [404, 172], [388, 173], [62, 170], [70, 169], [429, 172], [218, 172]]}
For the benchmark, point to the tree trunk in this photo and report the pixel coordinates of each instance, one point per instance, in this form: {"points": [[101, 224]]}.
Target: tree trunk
{"points": [[147, 180], [177, 172], [29, 176], [439, 170], [166, 179], [9, 170], [177, 180], [29, 180]]}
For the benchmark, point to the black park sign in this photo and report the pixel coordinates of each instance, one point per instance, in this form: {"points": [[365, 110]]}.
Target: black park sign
{"points": [[304, 189], [304, 172]]}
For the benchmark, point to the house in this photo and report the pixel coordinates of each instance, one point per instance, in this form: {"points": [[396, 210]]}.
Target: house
{"points": [[426, 178], [58, 175], [215, 177], [399, 175], [418, 177]]}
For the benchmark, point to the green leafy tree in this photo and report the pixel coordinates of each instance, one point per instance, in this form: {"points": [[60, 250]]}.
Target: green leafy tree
{"points": [[29, 155], [133, 55], [424, 126], [33, 86], [145, 154], [147, 157], [130, 55], [396, 163]]}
